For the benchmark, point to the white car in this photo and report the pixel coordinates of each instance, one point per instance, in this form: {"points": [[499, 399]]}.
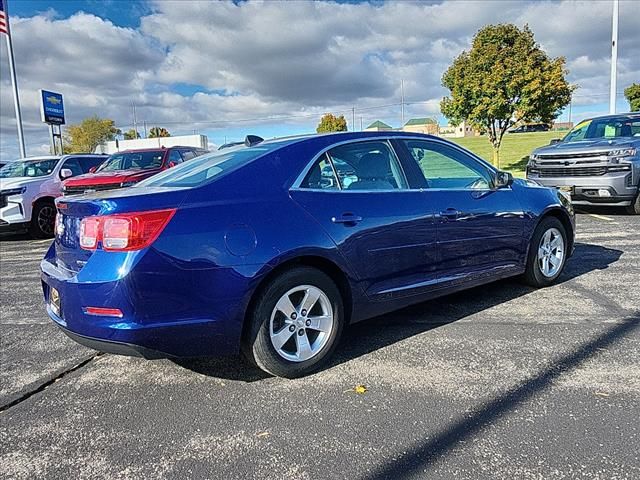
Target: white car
{"points": [[29, 186]]}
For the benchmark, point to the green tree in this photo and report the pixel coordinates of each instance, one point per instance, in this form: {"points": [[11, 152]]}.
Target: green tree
{"points": [[131, 134], [331, 123], [157, 132], [506, 78], [88, 134], [632, 94]]}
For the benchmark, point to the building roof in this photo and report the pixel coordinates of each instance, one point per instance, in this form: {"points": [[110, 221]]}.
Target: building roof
{"points": [[421, 121], [379, 124]]}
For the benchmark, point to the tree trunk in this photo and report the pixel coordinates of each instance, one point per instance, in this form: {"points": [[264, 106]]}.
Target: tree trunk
{"points": [[496, 156]]}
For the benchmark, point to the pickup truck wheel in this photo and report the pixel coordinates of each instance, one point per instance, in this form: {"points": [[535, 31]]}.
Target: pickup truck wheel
{"points": [[43, 218], [634, 208]]}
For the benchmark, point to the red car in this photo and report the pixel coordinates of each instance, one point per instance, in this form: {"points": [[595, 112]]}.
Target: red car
{"points": [[128, 167]]}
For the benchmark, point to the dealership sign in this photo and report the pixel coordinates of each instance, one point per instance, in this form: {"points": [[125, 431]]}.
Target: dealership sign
{"points": [[51, 108]]}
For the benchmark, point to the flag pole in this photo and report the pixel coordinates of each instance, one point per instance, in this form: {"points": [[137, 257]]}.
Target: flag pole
{"points": [[14, 83]]}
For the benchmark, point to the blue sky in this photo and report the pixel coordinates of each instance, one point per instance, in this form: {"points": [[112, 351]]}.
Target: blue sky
{"points": [[273, 68]]}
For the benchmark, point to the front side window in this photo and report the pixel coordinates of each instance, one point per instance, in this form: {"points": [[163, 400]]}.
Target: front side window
{"points": [[444, 167], [28, 168], [73, 164], [174, 157], [87, 163], [367, 166]]}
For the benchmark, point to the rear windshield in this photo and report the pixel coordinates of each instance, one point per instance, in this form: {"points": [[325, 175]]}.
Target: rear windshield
{"points": [[132, 160], [204, 168]]}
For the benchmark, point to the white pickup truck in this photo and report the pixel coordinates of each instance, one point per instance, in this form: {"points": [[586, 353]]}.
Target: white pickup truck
{"points": [[29, 186]]}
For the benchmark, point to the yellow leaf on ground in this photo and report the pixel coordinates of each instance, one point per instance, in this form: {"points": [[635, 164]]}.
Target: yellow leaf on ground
{"points": [[360, 389]]}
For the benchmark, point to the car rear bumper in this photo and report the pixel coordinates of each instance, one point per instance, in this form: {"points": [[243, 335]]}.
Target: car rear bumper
{"points": [[177, 322]]}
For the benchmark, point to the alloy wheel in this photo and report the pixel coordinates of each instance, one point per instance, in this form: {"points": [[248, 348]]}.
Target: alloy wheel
{"points": [[301, 323], [551, 252]]}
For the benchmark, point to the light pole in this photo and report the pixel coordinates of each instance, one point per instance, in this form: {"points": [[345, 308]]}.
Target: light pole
{"points": [[614, 57]]}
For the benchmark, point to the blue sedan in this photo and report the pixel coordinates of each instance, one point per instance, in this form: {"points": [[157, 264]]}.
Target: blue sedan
{"points": [[273, 247]]}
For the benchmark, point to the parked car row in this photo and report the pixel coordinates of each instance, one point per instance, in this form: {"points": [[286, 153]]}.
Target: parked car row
{"points": [[28, 187]]}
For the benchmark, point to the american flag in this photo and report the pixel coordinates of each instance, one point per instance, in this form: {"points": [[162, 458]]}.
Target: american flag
{"points": [[4, 28]]}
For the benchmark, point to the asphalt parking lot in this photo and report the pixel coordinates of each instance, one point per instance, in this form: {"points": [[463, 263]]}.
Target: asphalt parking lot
{"points": [[499, 382]]}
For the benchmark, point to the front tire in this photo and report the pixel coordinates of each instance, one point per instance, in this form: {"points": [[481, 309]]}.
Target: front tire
{"points": [[295, 324], [547, 253], [43, 219], [634, 208]]}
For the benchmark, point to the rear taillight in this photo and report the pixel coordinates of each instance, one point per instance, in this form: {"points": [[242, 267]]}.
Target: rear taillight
{"points": [[124, 231]]}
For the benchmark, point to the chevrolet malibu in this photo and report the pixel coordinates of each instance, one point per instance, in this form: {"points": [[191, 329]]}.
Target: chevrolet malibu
{"points": [[267, 249]]}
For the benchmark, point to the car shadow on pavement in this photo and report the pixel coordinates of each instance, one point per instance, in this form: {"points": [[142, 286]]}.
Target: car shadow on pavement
{"points": [[418, 458], [376, 333]]}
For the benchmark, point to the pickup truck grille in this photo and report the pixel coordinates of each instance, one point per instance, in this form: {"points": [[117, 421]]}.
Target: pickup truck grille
{"points": [[73, 190], [573, 156], [572, 172]]}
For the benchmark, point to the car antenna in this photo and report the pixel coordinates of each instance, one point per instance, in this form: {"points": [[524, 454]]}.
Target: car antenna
{"points": [[251, 140]]}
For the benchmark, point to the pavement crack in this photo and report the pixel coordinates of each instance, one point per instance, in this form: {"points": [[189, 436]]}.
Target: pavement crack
{"points": [[51, 381]]}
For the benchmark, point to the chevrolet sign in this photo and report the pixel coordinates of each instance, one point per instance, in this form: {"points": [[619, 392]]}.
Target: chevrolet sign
{"points": [[51, 108]]}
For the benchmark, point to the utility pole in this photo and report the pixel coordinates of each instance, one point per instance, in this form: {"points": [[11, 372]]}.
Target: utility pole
{"points": [[144, 124], [135, 122], [353, 118], [402, 103], [360, 122], [614, 58]]}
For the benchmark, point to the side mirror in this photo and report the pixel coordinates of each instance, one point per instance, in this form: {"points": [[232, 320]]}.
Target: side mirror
{"points": [[503, 179], [93, 169], [66, 173], [554, 141], [172, 164]]}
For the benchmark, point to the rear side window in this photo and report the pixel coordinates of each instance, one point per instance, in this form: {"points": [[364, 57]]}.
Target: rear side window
{"points": [[321, 176], [367, 166], [187, 154]]}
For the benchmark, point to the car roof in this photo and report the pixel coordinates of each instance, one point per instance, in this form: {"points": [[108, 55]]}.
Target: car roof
{"points": [[153, 149], [336, 137], [633, 115]]}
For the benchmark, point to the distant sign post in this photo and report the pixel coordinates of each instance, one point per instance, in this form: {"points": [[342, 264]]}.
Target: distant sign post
{"points": [[52, 113]]}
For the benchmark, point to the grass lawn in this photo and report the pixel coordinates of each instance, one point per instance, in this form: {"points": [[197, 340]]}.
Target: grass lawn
{"points": [[515, 147]]}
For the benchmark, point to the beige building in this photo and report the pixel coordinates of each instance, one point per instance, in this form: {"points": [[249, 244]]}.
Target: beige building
{"points": [[421, 125], [458, 131]]}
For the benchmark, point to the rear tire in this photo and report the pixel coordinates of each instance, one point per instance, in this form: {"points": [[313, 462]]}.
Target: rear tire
{"points": [[295, 324], [43, 219], [634, 208], [548, 252]]}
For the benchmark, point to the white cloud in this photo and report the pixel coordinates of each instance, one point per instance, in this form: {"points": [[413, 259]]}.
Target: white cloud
{"points": [[268, 59]]}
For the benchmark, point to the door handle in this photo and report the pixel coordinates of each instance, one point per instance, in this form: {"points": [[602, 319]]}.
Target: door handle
{"points": [[450, 213], [347, 219]]}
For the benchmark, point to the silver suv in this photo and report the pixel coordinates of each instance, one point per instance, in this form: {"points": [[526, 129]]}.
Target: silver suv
{"points": [[597, 163]]}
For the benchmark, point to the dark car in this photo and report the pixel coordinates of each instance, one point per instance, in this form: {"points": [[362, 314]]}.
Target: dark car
{"points": [[128, 167], [251, 248], [531, 127]]}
